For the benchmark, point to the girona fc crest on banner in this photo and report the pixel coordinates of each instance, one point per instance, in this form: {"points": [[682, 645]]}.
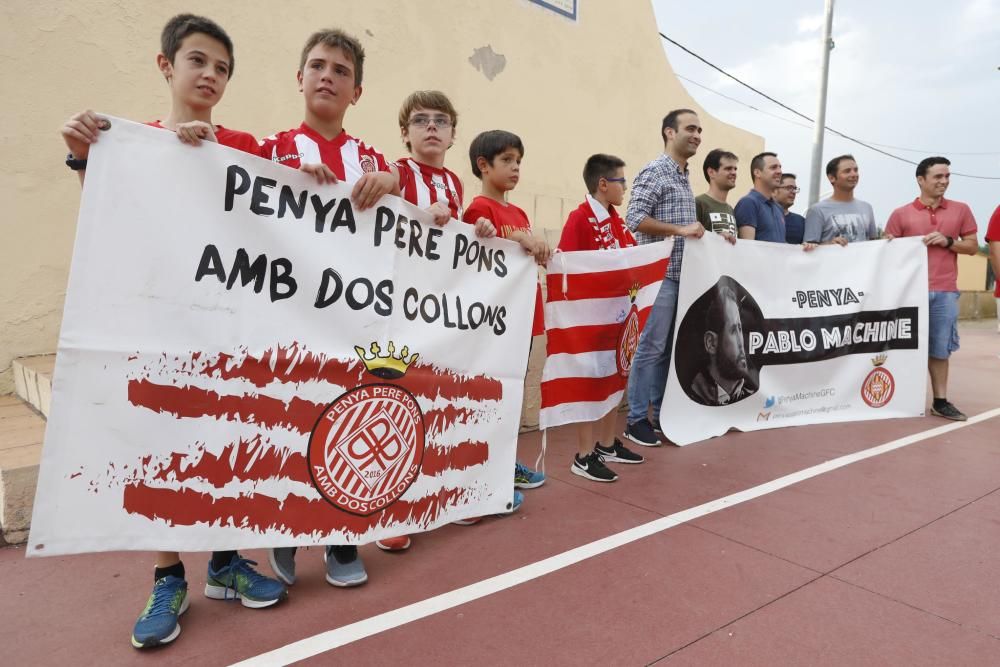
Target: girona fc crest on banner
{"points": [[628, 339], [878, 387], [367, 447]]}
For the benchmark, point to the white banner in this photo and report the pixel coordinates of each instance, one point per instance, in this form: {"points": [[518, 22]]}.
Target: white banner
{"points": [[246, 360], [767, 335]]}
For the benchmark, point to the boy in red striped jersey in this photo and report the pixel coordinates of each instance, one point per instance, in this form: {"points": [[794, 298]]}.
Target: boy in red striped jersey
{"points": [[596, 225], [196, 60], [495, 157], [329, 76]]}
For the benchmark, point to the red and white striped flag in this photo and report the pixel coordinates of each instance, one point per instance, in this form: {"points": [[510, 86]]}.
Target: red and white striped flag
{"points": [[597, 303]]}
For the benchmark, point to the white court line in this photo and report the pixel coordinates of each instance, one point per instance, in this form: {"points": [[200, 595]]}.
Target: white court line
{"points": [[331, 639]]}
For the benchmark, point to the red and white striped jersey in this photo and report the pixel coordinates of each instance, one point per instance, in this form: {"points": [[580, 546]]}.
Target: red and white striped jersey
{"points": [[347, 157], [423, 185]]}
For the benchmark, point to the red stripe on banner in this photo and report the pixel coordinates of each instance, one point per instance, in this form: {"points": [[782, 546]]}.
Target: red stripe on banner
{"points": [[589, 338], [293, 364], [259, 512], [459, 457], [603, 284], [575, 390], [243, 460], [298, 415]]}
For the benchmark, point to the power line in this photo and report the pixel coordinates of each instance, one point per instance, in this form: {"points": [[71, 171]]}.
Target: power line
{"points": [[867, 145], [923, 151]]}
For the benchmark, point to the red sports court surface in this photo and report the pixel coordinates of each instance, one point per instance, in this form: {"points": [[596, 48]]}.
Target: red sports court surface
{"points": [[893, 559]]}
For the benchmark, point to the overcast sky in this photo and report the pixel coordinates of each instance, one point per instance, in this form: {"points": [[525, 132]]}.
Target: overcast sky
{"points": [[917, 75]]}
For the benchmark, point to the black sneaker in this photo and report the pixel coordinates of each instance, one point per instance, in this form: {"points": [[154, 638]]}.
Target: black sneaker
{"points": [[641, 433], [617, 453], [948, 411], [592, 467]]}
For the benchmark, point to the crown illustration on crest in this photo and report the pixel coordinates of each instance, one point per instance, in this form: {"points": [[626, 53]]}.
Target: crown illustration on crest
{"points": [[388, 366], [879, 360], [633, 291]]}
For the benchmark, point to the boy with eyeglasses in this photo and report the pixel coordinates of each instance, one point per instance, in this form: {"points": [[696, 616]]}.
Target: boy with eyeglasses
{"points": [[596, 225], [427, 122]]}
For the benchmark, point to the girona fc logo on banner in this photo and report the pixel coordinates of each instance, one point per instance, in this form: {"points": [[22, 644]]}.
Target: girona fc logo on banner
{"points": [[628, 339], [878, 387], [367, 447]]}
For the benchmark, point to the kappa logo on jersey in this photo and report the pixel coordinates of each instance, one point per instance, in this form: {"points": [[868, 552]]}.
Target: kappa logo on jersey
{"points": [[367, 447], [628, 339], [879, 386], [285, 158], [368, 164]]}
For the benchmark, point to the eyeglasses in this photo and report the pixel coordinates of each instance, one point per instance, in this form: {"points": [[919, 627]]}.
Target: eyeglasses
{"points": [[440, 122], [615, 180], [794, 189]]}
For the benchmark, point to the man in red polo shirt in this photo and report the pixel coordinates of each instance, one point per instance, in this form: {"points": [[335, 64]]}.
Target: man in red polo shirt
{"points": [[947, 228], [993, 239]]}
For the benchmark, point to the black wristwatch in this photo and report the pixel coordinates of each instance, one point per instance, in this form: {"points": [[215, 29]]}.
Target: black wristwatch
{"points": [[74, 163], [951, 241]]}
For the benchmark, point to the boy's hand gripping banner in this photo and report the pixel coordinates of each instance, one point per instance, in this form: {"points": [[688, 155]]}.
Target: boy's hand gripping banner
{"points": [[767, 335], [597, 304], [247, 360]]}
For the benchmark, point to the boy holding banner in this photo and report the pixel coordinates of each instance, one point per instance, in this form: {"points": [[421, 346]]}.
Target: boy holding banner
{"points": [[495, 157], [596, 225], [329, 77], [196, 59], [427, 122]]}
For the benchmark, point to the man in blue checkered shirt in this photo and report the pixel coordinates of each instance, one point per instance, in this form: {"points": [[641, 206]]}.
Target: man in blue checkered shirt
{"points": [[662, 206]]}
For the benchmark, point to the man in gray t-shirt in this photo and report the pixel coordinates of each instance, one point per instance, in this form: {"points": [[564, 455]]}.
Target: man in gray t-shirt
{"points": [[841, 219]]}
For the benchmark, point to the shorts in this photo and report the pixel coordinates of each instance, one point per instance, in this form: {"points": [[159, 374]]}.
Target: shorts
{"points": [[942, 324]]}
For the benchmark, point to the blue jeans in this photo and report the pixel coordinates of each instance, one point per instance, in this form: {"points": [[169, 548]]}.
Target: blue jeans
{"points": [[942, 324], [648, 378]]}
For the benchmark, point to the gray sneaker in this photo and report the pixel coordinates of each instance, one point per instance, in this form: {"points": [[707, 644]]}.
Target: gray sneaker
{"points": [[282, 560], [344, 567]]}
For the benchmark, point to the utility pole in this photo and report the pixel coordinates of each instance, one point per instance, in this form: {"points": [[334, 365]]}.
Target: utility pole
{"points": [[817, 156]]}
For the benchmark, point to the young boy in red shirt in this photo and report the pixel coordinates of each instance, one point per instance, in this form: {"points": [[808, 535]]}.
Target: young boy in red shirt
{"points": [[496, 157], [329, 76], [196, 59], [596, 225]]}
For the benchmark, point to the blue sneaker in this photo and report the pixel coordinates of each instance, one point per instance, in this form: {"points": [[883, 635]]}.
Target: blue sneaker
{"points": [[344, 567], [526, 478], [157, 623], [518, 500], [239, 581]]}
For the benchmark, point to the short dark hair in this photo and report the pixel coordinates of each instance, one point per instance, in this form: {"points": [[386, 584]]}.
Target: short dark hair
{"points": [[715, 316], [929, 162], [670, 120], [758, 161], [491, 143], [785, 175], [833, 165], [714, 160], [336, 38], [600, 166], [183, 26]]}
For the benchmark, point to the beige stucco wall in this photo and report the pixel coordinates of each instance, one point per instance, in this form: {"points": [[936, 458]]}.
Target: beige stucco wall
{"points": [[601, 84], [972, 273]]}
